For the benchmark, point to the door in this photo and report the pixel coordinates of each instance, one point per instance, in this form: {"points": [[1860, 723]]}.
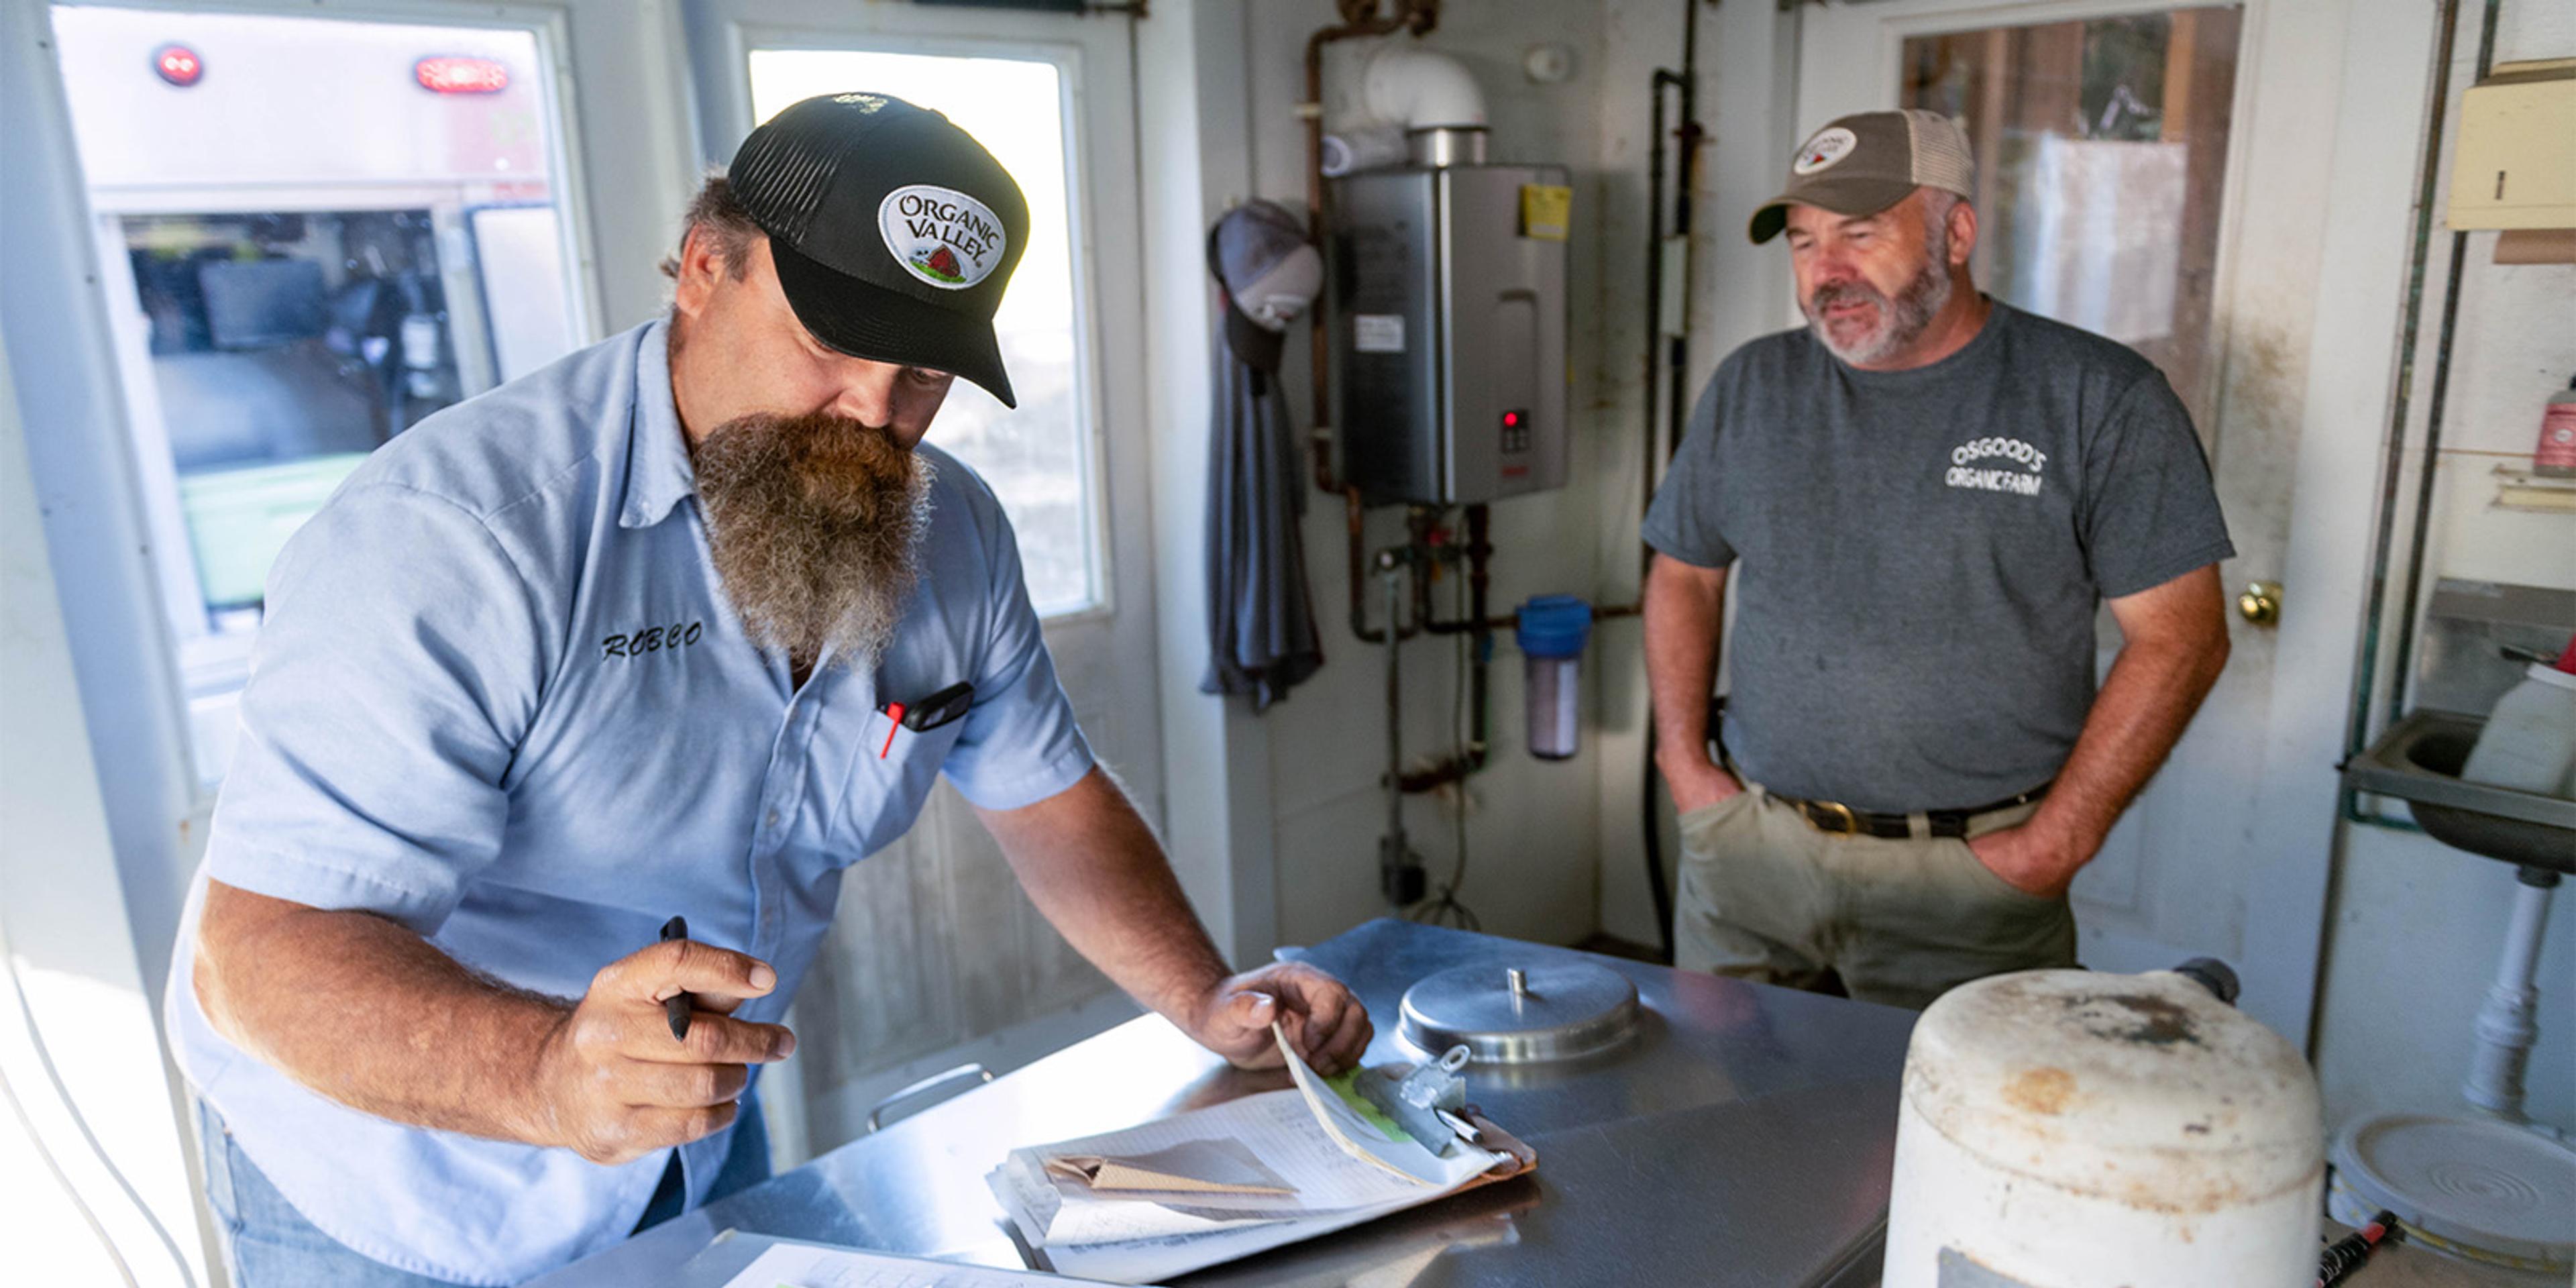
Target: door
{"points": [[935, 948], [2150, 172]]}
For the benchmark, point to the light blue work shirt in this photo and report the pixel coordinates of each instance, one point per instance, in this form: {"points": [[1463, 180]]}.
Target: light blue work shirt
{"points": [[500, 698]]}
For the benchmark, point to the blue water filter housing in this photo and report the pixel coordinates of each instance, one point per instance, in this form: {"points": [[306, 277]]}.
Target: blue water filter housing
{"points": [[1551, 633]]}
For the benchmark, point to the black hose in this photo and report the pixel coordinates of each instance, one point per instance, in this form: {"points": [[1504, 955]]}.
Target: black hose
{"points": [[1676, 359]]}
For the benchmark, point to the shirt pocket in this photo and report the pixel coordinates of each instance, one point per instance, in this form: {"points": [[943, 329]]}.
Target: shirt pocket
{"points": [[891, 774]]}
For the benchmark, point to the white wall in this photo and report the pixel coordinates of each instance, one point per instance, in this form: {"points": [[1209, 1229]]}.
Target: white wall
{"points": [[1738, 291], [1533, 825], [1191, 114], [79, 1050], [2415, 926]]}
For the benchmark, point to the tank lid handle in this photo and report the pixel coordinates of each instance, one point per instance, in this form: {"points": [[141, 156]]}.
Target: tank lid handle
{"points": [[2212, 974]]}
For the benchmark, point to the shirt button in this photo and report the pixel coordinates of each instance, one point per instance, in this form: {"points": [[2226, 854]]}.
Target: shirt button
{"points": [[773, 818]]}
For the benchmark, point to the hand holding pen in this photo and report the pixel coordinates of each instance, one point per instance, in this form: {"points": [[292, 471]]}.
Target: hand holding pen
{"points": [[652, 1056], [677, 1007]]}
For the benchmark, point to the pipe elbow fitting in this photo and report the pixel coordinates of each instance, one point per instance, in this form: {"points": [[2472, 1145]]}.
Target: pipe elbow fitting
{"points": [[1421, 89]]}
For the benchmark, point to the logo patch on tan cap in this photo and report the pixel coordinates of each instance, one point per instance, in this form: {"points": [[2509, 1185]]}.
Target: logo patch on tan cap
{"points": [[1821, 152], [941, 235]]}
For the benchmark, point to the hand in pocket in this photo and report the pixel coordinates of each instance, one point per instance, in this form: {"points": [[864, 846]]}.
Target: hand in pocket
{"points": [[2028, 860]]}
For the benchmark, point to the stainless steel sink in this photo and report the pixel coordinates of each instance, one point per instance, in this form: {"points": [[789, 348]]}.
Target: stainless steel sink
{"points": [[2418, 761]]}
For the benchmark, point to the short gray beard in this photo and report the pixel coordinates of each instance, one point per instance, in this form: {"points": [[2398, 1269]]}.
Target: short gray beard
{"points": [[815, 524], [1902, 320]]}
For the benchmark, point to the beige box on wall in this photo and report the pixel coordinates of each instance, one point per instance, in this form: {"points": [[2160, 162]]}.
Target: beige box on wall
{"points": [[2515, 164]]}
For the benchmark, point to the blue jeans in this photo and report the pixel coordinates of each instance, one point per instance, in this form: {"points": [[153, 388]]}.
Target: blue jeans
{"points": [[270, 1245]]}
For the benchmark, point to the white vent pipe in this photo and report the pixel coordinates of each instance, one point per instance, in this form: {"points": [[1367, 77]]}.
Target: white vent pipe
{"points": [[1418, 89]]}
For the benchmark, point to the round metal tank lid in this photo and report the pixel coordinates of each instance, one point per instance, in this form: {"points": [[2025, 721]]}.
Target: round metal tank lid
{"points": [[2481, 1189], [1520, 1014]]}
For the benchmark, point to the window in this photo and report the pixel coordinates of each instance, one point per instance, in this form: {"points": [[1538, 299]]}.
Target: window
{"points": [[2101, 155], [1039, 458]]}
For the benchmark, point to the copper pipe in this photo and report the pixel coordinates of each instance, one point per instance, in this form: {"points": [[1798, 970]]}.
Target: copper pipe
{"points": [[1358, 564], [1421, 529], [1480, 628], [1359, 18]]}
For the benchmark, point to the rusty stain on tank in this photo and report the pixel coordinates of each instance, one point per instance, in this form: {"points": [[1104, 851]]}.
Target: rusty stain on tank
{"points": [[2044, 1090], [2161, 1021]]}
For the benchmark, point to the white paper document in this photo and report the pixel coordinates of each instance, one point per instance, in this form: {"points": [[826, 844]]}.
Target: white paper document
{"points": [[1338, 1168], [803, 1265]]}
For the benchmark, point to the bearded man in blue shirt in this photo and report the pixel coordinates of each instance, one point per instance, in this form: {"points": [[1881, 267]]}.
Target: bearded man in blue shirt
{"points": [[688, 622]]}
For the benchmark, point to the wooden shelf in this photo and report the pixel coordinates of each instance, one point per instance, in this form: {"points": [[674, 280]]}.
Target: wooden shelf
{"points": [[2518, 488]]}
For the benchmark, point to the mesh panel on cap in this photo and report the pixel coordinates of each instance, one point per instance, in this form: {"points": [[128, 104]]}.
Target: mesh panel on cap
{"points": [[1941, 157], [780, 181]]}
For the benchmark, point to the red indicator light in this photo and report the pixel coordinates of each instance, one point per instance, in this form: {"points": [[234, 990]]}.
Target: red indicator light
{"points": [[178, 65], [1511, 418], [456, 74]]}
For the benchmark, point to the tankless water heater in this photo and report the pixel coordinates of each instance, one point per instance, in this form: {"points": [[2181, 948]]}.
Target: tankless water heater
{"points": [[1448, 326]]}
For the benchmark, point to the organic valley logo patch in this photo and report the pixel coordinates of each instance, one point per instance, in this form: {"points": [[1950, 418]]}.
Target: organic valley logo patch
{"points": [[941, 235], [1829, 145]]}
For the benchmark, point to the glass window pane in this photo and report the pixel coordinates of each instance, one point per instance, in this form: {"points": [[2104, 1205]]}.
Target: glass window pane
{"points": [[312, 234], [2101, 153], [1038, 457]]}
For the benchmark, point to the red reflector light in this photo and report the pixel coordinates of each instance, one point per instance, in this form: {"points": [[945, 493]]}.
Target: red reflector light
{"points": [[178, 64], [453, 74]]}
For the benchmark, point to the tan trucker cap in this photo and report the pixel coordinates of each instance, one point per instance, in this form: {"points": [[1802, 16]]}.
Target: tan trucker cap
{"points": [[1863, 163]]}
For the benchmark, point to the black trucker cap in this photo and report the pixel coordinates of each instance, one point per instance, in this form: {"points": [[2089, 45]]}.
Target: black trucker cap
{"points": [[894, 231]]}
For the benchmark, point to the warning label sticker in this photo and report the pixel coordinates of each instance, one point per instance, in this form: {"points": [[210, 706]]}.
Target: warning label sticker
{"points": [[1377, 332]]}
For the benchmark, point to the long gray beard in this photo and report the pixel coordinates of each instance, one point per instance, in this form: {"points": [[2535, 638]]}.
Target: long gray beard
{"points": [[816, 525], [1901, 320]]}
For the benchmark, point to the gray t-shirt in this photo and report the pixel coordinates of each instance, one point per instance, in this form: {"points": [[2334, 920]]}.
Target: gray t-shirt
{"points": [[1919, 554]]}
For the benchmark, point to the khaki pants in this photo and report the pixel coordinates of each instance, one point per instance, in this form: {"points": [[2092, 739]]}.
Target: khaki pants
{"points": [[1767, 896]]}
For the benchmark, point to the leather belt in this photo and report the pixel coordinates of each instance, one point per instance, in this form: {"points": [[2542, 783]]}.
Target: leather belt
{"points": [[1843, 820]]}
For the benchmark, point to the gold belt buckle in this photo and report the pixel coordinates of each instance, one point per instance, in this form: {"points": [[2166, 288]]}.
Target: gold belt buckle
{"points": [[1850, 820]]}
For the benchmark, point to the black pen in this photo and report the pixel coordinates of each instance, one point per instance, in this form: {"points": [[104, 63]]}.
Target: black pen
{"points": [[675, 1008]]}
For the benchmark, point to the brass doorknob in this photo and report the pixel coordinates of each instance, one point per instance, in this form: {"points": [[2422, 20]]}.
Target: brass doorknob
{"points": [[2261, 602]]}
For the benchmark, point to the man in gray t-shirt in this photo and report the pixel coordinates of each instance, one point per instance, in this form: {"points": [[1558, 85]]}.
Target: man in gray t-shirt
{"points": [[1922, 498]]}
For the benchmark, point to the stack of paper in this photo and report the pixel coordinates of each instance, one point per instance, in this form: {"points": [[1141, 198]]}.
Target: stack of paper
{"points": [[806, 1265], [1216, 1184]]}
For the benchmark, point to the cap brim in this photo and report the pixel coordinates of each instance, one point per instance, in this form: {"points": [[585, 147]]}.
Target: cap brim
{"points": [[1854, 196], [868, 321]]}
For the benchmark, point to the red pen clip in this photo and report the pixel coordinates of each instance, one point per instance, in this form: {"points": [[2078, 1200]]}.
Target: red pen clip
{"points": [[894, 720]]}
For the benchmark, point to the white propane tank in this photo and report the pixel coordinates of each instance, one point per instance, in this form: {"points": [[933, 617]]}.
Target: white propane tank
{"points": [[2068, 1129]]}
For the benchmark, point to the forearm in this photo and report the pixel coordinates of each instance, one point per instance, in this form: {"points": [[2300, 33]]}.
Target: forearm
{"points": [[2141, 711], [364, 1011], [1684, 614], [1096, 871]]}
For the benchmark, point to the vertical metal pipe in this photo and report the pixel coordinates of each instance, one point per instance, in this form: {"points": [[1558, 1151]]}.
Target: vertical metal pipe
{"points": [[1674, 352], [1480, 553], [2393, 465], [1686, 153], [1654, 269], [2433, 409], [1652, 818], [1392, 848]]}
